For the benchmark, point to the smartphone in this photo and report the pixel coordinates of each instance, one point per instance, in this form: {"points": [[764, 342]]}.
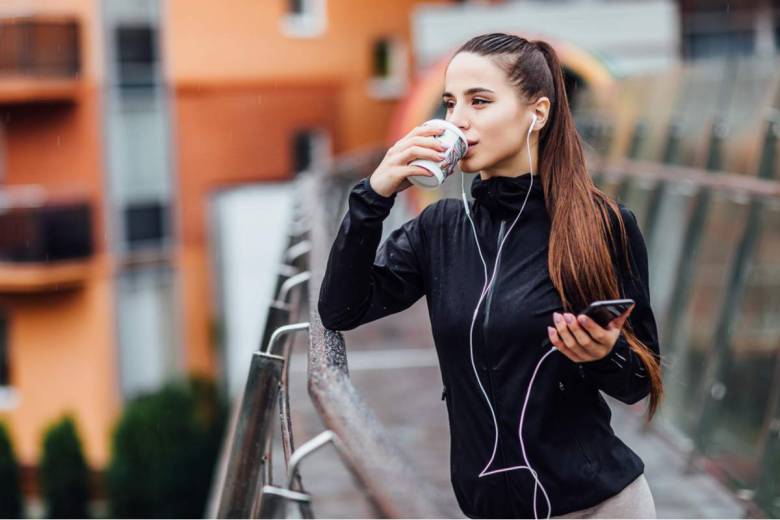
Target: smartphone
{"points": [[604, 311]]}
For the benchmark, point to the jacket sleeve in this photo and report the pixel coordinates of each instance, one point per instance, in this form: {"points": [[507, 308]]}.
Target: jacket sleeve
{"points": [[362, 284], [622, 373]]}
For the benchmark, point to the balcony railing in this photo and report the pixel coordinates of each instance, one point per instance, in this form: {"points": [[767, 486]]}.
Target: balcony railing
{"points": [[44, 243], [40, 59]]}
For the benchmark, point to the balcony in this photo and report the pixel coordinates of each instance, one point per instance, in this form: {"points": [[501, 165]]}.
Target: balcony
{"points": [[45, 243], [40, 60]]}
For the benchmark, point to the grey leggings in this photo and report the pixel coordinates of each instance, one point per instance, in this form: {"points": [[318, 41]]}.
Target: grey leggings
{"points": [[634, 501]]}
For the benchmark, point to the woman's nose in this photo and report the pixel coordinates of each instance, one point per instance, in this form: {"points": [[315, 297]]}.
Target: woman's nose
{"points": [[461, 123], [458, 118]]}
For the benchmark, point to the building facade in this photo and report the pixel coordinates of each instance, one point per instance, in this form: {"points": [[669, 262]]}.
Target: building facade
{"points": [[120, 120]]}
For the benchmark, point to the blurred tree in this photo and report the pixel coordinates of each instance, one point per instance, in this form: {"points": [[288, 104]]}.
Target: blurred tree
{"points": [[11, 500], [164, 451], [63, 470]]}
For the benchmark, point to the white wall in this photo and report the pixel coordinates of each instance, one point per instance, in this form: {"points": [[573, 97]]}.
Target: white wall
{"points": [[149, 345], [249, 230]]}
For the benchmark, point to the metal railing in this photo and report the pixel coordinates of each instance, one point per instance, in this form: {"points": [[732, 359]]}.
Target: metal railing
{"points": [[40, 227], [38, 46], [243, 484], [713, 241]]}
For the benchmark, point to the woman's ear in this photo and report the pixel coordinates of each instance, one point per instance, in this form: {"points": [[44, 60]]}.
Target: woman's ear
{"points": [[541, 108]]}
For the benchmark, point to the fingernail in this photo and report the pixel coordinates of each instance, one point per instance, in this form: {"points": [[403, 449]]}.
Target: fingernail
{"points": [[556, 317], [551, 332], [582, 319], [442, 156], [569, 318]]}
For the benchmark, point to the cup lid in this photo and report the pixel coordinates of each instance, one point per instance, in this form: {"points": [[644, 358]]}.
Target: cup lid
{"points": [[447, 124]]}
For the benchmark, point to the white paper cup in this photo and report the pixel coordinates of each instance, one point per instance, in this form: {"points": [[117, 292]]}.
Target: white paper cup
{"points": [[457, 146]]}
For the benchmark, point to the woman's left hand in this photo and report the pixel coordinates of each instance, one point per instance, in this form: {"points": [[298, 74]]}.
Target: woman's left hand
{"points": [[581, 339]]}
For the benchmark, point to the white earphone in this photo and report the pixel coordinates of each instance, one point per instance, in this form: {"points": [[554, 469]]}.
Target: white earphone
{"points": [[485, 289]]}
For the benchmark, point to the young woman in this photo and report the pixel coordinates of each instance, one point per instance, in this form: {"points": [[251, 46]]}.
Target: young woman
{"points": [[530, 431]]}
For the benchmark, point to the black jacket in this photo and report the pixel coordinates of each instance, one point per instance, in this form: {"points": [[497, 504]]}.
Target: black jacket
{"points": [[566, 432]]}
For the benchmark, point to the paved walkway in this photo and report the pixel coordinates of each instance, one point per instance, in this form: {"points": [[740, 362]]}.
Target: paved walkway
{"points": [[393, 364]]}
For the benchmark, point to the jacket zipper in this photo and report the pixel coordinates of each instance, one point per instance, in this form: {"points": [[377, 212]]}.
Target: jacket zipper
{"points": [[485, 329], [495, 277]]}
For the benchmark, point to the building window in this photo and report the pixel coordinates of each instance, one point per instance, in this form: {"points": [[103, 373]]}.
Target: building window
{"points": [[296, 7], [389, 68], [5, 371], [311, 150], [136, 55], [381, 61], [145, 224], [9, 399], [714, 45], [305, 18], [777, 32], [709, 31]]}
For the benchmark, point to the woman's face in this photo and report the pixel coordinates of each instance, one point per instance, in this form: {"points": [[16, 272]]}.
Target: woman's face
{"points": [[490, 112]]}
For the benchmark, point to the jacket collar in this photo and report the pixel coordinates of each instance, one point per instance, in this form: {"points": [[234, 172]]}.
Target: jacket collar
{"points": [[503, 196]]}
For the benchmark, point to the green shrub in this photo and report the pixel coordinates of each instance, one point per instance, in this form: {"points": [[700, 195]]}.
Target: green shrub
{"points": [[11, 499], [164, 451], [63, 471]]}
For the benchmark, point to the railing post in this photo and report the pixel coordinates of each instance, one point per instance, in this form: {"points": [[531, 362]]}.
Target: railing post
{"points": [[276, 502], [249, 460], [246, 459], [713, 385], [670, 156], [768, 444], [692, 239]]}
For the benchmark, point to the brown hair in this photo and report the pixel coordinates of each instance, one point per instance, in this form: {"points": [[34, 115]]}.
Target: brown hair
{"points": [[579, 261]]}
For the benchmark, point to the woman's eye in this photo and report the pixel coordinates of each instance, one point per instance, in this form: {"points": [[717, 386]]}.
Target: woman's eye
{"points": [[447, 105]]}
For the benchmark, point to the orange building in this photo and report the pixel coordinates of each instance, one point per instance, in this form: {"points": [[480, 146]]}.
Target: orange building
{"points": [[118, 121]]}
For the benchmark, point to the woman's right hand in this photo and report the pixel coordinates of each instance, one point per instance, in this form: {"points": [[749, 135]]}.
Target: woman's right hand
{"points": [[391, 175]]}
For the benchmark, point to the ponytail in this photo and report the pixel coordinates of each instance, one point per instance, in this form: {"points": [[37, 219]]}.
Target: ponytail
{"points": [[582, 236]]}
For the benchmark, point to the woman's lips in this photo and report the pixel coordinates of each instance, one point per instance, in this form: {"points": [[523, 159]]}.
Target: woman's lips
{"points": [[469, 152]]}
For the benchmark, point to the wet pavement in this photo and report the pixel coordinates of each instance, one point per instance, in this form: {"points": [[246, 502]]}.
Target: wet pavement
{"points": [[393, 365]]}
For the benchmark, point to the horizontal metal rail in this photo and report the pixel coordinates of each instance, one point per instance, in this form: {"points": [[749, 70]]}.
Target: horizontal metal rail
{"points": [[387, 476], [392, 485], [717, 180]]}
